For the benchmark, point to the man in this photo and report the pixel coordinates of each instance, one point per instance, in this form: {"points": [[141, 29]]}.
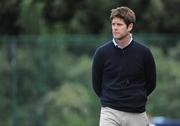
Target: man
{"points": [[123, 74]]}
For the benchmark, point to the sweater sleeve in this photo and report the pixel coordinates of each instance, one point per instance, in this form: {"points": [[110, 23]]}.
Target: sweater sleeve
{"points": [[97, 72], [150, 72]]}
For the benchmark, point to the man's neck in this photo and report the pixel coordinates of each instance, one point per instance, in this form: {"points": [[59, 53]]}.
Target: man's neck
{"points": [[122, 43]]}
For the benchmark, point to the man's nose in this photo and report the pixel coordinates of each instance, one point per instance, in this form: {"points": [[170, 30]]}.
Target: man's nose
{"points": [[115, 27]]}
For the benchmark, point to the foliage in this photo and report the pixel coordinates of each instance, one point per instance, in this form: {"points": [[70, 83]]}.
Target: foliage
{"points": [[30, 17], [47, 81], [70, 102], [83, 16], [50, 82], [35, 74], [164, 101]]}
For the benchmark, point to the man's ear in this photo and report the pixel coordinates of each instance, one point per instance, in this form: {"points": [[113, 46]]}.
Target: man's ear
{"points": [[130, 27]]}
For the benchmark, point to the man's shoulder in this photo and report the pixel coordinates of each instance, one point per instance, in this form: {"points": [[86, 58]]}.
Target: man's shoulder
{"points": [[143, 49], [141, 46], [102, 50], [106, 45]]}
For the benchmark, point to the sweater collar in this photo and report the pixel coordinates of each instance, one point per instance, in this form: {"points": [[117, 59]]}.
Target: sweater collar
{"points": [[116, 45]]}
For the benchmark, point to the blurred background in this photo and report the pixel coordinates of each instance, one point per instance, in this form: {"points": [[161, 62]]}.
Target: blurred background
{"points": [[46, 49]]}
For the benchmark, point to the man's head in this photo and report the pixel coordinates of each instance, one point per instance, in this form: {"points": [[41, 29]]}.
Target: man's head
{"points": [[122, 19], [124, 13]]}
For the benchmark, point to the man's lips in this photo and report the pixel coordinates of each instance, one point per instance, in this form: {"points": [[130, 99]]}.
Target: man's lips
{"points": [[116, 33]]}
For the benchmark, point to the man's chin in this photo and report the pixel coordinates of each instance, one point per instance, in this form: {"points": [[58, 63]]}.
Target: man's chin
{"points": [[116, 37]]}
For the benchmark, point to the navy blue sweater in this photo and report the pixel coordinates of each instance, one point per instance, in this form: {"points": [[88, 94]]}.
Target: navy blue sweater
{"points": [[123, 78]]}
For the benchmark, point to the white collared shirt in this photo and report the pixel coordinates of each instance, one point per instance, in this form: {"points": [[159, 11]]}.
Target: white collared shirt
{"points": [[116, 45]]}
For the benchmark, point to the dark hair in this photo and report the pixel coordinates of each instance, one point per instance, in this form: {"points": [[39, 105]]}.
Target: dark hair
{"points": [[124, 13]]}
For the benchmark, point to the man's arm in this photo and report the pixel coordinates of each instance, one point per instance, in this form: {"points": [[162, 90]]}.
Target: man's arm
{"points": [[97, 70], [150, 71]]}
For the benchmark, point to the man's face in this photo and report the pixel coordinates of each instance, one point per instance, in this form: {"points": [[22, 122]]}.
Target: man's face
{"points": [[119, 28]]}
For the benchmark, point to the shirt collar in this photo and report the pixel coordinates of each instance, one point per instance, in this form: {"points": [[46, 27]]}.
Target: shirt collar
{"points": [[116, 45]]}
